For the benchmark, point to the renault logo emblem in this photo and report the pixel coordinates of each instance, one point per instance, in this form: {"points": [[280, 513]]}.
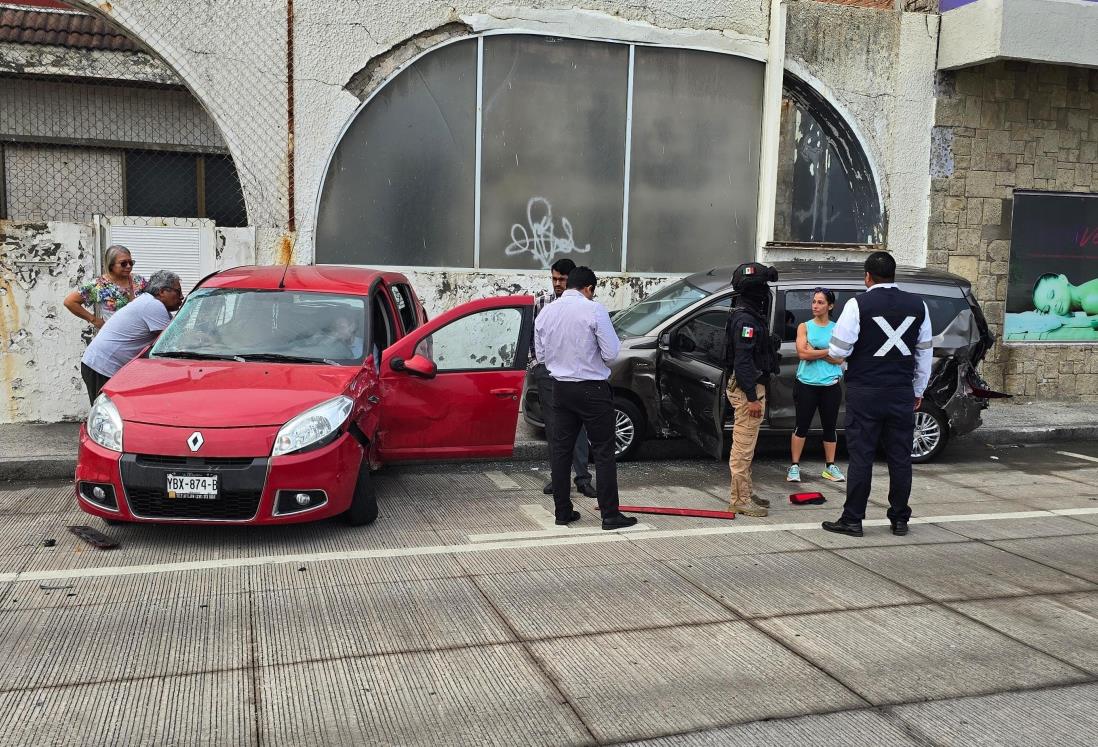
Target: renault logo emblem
{"points": [[195, 441]]}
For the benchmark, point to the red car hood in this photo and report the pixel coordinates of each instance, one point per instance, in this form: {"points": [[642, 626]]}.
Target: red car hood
{"points": [[216, 394]]}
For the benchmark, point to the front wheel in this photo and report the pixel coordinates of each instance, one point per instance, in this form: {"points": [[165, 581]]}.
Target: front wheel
{"points": [[931, 434], [363, 508], [628, 429]]}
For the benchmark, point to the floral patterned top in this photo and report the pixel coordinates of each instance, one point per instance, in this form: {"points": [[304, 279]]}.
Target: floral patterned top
{"points": [[109, 295]]}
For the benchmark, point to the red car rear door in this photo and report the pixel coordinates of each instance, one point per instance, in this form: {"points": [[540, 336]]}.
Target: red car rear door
{"points": [[451, 388]]}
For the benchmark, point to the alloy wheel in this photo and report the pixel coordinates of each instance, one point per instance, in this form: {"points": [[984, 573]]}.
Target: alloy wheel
{"points": [[928, 434], [625, 431]]}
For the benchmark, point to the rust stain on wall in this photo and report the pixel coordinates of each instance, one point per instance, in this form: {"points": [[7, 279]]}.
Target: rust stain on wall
{"points": [[9, 321], [285, 252]]}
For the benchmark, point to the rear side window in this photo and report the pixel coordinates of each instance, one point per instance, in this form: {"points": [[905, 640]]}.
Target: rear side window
{"points": [[798, 309], [944, 310], [406, 306]]}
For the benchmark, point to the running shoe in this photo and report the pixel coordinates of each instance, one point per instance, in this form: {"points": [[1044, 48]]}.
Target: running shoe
{"points": [[833, 473], [794, 473]]}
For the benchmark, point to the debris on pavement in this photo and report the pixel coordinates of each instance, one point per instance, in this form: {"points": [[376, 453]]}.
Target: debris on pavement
{"points": [[94, 537], [49, 542]]}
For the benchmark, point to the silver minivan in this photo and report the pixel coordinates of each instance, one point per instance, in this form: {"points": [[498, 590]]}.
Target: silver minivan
{"points": [[669, 378]]}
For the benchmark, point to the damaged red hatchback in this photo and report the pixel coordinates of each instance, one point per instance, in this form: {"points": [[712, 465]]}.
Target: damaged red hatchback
{"points": [[275, 390]]}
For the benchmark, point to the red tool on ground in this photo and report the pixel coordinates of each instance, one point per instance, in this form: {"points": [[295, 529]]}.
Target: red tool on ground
{"points": [[801, 499], [700, 513]]}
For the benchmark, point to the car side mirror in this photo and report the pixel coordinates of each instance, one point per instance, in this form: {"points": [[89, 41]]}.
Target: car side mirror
{"points": [[665, 341], [417, 365]]}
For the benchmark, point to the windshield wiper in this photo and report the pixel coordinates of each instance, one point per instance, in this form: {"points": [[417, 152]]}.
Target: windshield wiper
{"points": [[195, 355], [282, 358]]}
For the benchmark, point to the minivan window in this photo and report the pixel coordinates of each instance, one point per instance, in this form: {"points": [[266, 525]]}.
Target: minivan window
{"points": [[798, 309], [943, 311], [268, 326], [644, 316]]}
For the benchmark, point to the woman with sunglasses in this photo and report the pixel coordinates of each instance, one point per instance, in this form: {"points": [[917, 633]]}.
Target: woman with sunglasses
{"points": [[817, 387], [110, 291]]}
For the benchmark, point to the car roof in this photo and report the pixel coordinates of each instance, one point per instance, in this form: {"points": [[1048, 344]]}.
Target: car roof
{"points": [[320, 278], [818, 271]]}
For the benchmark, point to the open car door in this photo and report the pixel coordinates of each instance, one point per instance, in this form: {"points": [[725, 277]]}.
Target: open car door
{"points": [[692, 380], [451, 388]]}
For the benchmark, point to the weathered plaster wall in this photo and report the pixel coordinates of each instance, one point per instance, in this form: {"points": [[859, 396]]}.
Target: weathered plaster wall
{"points": [[877, 68], [1002, 126], [40, 341]]}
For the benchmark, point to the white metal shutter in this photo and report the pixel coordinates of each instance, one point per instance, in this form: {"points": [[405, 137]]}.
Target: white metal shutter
{"points": [[186, 251]]}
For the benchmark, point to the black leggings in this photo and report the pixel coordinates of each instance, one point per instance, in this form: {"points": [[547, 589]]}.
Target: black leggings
{"points": [[93, 380], [808, 399]]}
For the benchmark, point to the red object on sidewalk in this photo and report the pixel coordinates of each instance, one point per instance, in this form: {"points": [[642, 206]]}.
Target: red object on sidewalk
{"points": [[800, 499], [701, 513]]}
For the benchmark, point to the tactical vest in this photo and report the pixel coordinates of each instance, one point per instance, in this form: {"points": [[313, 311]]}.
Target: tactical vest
{"points": [[884, 354], [767, 355]]}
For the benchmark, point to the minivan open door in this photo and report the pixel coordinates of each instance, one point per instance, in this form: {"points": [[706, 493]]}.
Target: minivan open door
{"points": [[450, 389], [691, 379]]}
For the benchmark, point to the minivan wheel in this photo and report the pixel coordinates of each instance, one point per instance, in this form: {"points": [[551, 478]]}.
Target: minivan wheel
{"points": [[931, 434], [363, 508], [628, 429]]}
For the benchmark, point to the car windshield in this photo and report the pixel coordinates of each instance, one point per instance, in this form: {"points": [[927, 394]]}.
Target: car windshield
{"points": [[265, 325], [644, 316]]}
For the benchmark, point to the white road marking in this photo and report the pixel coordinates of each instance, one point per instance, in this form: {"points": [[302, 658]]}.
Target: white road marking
{"points": [[502, 481], [556, 540], [540, 516], [1073, 455], [555, 531]]}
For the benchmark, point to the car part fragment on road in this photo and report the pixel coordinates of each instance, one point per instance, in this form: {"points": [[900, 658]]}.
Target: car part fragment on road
{"points": [[700, 513], [94, 537]]}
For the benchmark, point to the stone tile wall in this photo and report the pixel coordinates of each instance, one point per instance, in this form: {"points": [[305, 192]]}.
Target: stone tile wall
{"points": [[999, 127]]}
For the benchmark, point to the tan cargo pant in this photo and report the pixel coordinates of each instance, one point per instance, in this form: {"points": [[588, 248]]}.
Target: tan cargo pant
{"points": [[745, 434]]}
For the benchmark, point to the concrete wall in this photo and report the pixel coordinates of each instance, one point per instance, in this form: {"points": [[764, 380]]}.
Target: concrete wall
{"points": [[40, 341], [1001, 126]]}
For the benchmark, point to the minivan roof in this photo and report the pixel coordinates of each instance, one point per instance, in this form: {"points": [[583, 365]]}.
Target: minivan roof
{"points": [[830, 272]]}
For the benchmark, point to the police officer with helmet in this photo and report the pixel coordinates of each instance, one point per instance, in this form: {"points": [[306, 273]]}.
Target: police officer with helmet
{"points": [[752, 354], [885, 337]]}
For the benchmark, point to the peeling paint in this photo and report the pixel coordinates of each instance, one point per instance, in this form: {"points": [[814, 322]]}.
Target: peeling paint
{"points": [[285, 251]]}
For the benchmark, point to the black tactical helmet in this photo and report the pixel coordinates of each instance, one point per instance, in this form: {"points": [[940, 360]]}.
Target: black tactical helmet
{"points": [[752, 274]]}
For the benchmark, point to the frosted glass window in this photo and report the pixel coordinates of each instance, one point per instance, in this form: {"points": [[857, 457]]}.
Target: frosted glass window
{"points": [[399, 189], [553, 169], [697, 123]]}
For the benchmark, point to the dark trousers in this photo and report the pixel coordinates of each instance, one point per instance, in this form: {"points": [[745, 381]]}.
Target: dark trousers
{"points": [[580, 455], [93, 380], [809, 400], [886, 417], [579, 404]]}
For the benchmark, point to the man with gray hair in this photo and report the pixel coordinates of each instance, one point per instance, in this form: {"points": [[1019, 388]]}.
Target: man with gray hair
{"points": [[129, 330]]}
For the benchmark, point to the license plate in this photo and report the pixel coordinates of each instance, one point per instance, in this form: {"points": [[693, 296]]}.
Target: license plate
{"points": [[202, 487]]}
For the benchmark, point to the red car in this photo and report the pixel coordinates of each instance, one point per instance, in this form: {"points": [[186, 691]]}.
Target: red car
{"points": [[274, 392]]}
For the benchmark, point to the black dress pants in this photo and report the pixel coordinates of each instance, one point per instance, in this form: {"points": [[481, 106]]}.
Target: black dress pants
{"points": [[93, 380], [578, 404], [580, 456], [886, 417]]}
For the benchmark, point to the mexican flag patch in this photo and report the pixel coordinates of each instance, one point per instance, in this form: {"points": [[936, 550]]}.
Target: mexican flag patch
{"points": [[749, 270], [747, 333]]}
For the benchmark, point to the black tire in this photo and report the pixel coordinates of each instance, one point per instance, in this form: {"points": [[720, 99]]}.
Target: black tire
{"points": [[931, 434], [628, 429], [363, 508]]}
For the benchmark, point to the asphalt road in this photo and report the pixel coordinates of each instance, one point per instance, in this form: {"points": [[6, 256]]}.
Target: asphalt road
{"points": [[464, 616]]}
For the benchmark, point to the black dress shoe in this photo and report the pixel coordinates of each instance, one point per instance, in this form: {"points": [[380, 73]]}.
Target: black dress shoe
{"points": [[548, 489], [899, 528], [842, 527], [621, 521], [587, 489], [574, 517]]}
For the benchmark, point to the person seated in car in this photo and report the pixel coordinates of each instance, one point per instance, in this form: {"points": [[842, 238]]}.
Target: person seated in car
{"points": [[337, 341]]}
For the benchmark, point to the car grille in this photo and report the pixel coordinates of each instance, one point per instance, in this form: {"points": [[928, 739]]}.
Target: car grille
{"points": [[156, 460], [240, 487], [230, 505]]}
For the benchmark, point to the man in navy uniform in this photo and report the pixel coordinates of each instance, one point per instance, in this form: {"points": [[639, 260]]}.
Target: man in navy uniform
{"points": [[884, 335]]}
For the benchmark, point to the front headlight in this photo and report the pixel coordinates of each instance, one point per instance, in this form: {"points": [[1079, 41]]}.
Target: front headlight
{"points": [[312, 426], [105, 424]]}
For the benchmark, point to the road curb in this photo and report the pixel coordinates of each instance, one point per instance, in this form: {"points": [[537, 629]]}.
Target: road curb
{"points": [[62, 467]]}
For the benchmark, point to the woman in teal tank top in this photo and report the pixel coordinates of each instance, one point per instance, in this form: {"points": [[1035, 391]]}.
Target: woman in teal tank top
{"points": [[817, 387]]}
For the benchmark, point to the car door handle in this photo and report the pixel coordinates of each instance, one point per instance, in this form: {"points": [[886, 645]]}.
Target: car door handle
{"points": [[504, 392], [708, 384]]}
